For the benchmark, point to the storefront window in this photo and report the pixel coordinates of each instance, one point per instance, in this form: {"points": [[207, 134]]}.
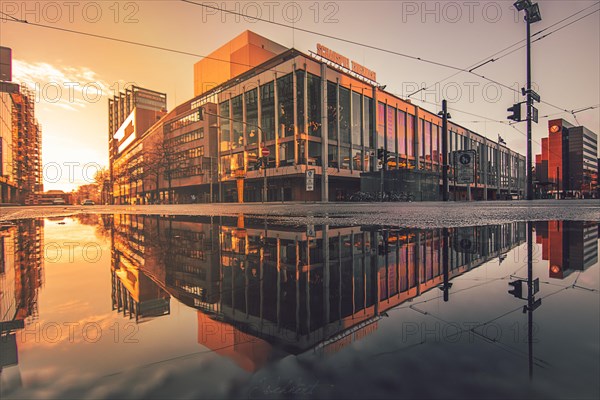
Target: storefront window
{"points": [[332, 114], [237, 138], [267, 100], [344, 113], [225, 125], [356, 119], [251, 116], [356, 160], [314, 105], [314, 153], [285, 94], [300, 75], [345, 157], [332, 156]]}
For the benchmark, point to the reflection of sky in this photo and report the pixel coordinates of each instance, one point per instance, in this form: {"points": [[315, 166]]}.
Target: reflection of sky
{"points": [[412, 353]]}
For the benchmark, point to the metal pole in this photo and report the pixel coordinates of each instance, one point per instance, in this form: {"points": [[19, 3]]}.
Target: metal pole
{"points": [[529, 101], [530, 295], [266, 161], [445, 189]]}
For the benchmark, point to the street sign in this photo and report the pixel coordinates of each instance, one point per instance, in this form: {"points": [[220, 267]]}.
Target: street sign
{"points": [[265, 151], [310, 180], [534, 112], [464, 160]]}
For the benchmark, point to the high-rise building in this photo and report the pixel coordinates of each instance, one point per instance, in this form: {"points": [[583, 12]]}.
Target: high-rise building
{"points": [[20, 139], [568, 164]]}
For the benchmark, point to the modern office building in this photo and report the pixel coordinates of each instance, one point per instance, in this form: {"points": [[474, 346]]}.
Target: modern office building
{"points": [[568, 164], [317, 112], [20, 139]]}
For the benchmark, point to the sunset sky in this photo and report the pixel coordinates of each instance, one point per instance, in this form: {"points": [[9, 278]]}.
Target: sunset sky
{"points": [[566, 63]]}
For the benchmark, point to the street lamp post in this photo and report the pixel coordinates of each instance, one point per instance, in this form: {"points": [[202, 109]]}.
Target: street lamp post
{"points": [[532, 15]]}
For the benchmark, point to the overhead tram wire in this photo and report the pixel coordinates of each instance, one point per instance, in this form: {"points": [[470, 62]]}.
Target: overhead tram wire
{"points": [[490, 58]]}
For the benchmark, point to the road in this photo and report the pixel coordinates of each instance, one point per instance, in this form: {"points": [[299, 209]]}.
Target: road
{"points": [[418, 214]]}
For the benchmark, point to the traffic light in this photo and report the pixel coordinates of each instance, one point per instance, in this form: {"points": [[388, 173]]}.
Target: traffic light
{"points": [[381, 154], [517, 289], [258, 163], [200, 113], [516, 112]]}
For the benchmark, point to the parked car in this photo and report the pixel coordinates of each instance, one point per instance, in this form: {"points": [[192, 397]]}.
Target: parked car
{"points": [[88, 202], [59, 202]]}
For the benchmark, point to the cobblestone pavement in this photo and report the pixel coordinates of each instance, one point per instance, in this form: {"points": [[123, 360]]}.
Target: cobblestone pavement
{"points": [[425, 214]]}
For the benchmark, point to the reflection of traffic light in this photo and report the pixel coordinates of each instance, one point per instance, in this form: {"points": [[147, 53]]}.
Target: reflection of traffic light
{"points": [[258, 163], [556, 272], [517, 289], [200, 114]]}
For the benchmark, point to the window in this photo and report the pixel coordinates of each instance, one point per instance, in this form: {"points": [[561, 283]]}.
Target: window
{"points": [[300, 76], [344, 114], [368, 122], [332, 156], [357, 121], [285, 97], [314, 105], [390, 130], [314, 153], [345, 157], [332, 114], [410, 136], [225, 125], [380, 125], [401, 133], [267, 100], [251, 100], [237, 138]]}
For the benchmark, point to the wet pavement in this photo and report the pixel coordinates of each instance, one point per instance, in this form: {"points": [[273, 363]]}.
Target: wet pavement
{"points": [[241, 305], [417, 214]]}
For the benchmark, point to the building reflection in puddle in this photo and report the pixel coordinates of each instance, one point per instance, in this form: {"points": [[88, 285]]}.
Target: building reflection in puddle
{"points": [[21, 277], [263, 289]]}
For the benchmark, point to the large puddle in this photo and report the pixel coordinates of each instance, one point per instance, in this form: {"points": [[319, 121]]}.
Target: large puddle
{"points": [[134, 306]]}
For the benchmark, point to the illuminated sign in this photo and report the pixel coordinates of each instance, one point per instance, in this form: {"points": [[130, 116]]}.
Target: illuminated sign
{"points": [[554, 128], [345, 62]]}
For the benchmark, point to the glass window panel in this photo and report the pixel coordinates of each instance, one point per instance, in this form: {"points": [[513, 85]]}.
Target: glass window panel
{"points": [[225, 125], [402, 133], [356, 119], [345, 157], [410, 136], [332, 111], [300, 75], [332, 156], [267, 100], [390, 130], [368, 122], [251, 116], [357, 165], [380, 125], [237, 137], [314, 105], [314, 153], [285, 94], [344, 113]]}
